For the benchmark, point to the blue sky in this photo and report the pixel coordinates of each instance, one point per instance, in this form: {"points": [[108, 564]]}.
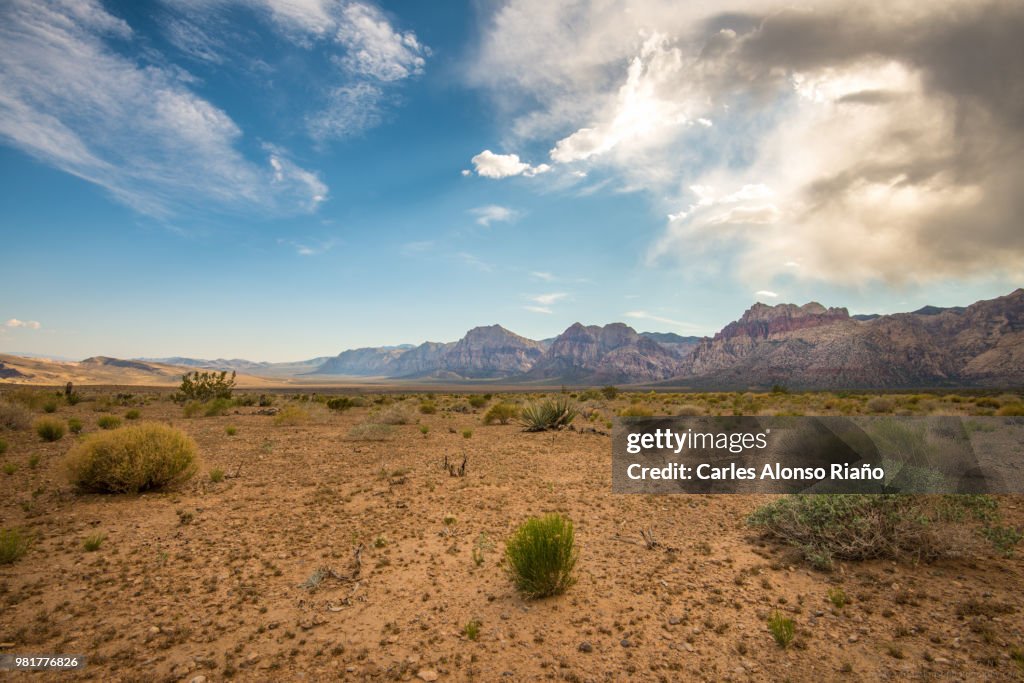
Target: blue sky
{"points": [[282, 179]]}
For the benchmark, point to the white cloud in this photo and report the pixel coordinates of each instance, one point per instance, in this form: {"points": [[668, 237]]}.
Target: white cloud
{"points": [[491, 165], [349, 110], [880, 146], [644, 315], [74, 102], [542, 275], [371, 56], [538, 309], [766, 293], [485, 215], [548, 299], [27, 324], [374, 48]]}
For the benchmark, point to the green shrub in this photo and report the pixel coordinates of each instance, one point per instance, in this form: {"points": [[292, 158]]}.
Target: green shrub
{"points": [[13, 544], [14, 416], [109, 422], [610, 392], [49, 429], [231, 431], [837, 596], [217, 406], [216, 475], [477, 401], [75, 425], [204, 386], [502, 413], [541, 555], [428, 407], [548, 414], [862, 527], [138, 458], [33, 461], [50, 406], [424, 429], [472, 629], [92, 543], [10, 468], [782, 629], [467, 433], [339, 403], [132, 414], [3, 446]]}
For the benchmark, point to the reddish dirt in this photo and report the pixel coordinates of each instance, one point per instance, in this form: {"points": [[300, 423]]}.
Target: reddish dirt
{"points": [[207, 581]]}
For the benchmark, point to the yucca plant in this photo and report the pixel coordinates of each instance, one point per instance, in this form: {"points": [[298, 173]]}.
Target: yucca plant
{"points": [[555, 413], [541, 556]]}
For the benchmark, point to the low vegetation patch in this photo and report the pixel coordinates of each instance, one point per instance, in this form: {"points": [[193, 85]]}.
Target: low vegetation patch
{"points": [[93, 542], [292, 416], [14, 416], [75, 425], [49, 428], [204, 386], [502, 413], [862, 527], [398, 414], [13, 544], [555, 413], [371, 431], [109, 422], [541, 556], [782, 628], [138, 458]]}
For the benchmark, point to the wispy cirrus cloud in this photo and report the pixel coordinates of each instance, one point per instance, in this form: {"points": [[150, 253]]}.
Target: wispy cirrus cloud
{"points": [[537, 309], [368, 57], [768, 294], [71, 99], [548, 299], [644, 315]]}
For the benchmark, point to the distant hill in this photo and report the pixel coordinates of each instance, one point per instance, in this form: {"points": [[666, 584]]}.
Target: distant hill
{"points": [[808, 346]]}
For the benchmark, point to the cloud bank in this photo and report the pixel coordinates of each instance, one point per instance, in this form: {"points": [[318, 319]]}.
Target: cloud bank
{"points": [[840, 142]]}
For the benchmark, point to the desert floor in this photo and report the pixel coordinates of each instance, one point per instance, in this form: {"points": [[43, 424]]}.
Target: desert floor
{"points": [[215, 580]]}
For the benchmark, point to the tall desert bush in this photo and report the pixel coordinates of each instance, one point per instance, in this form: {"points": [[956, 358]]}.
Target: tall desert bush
{"points": [[541, 556], [14, 416], [139, 458]]}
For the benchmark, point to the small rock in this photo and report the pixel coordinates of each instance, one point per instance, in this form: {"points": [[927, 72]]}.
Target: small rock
{"points": [[586, 647], [154, 630], [426, 675], [853, 639], [198, 679], [688, 647], [673, 621], [625, 643]]}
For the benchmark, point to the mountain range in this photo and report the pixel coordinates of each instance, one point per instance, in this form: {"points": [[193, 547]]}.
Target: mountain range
{"points": [[808, 346]]}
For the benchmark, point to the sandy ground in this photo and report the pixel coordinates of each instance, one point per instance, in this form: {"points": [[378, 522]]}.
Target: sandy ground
{"points": [[206, 583]]}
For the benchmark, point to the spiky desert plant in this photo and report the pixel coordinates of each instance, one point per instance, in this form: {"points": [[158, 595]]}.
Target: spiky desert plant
{"points": [[49, 428], [541, 555], [555, 413]]}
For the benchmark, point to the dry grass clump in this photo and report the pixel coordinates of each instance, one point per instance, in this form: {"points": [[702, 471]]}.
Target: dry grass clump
{"points": [[371, 431], [828, 527], [138, 458], [292, 416], [501, 413], [880, 404], [13, 544], [398, 414], [49, 428], [14, 416]]}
